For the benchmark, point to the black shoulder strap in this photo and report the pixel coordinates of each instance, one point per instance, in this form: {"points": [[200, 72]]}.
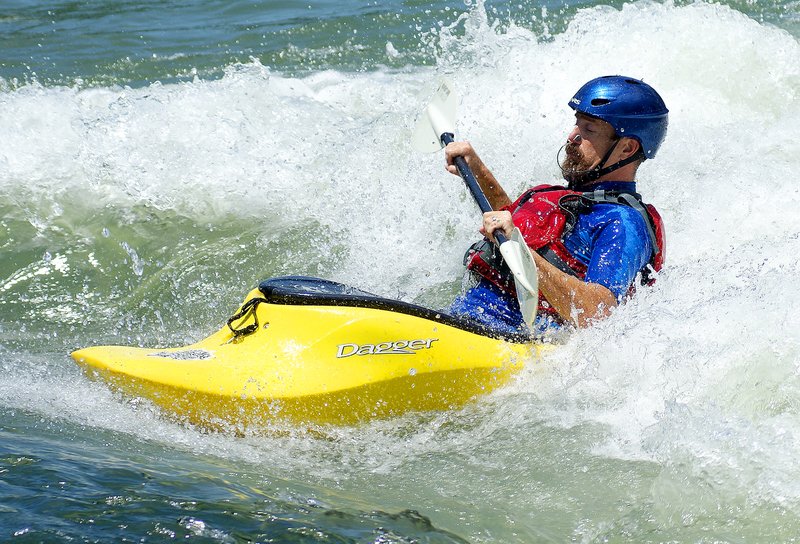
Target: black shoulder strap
{"points": [[627, 198]]}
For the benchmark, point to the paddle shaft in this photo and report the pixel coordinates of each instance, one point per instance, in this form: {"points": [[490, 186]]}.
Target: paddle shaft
{"points": [[474, 187]]}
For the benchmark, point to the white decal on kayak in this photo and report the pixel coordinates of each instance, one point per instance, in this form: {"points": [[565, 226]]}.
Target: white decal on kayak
{"points": [[401, 347], [184, 355]]}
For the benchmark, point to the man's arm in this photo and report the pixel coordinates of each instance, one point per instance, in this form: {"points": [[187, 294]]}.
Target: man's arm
{"points": [[575, 300], [495, 194]]}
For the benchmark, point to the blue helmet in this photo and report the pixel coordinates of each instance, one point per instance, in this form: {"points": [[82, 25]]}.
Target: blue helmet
{"points": [[631, 106]]}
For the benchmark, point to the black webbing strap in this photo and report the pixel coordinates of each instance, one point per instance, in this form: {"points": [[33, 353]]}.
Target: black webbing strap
{"points": [[248, 309], [636, 204], [577, 180], [553, 258]]}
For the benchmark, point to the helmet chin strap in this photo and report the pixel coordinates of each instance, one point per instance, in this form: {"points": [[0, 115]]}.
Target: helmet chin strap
{"points": [[578, 180]]}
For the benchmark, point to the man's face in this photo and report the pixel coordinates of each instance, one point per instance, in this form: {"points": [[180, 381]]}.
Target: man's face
{"points": [[588, 142]]}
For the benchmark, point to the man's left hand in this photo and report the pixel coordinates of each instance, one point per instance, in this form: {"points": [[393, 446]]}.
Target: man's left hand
{"points": [[495, 220]]}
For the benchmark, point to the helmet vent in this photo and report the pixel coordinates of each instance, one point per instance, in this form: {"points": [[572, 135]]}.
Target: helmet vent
{"points": [[600, 101]]}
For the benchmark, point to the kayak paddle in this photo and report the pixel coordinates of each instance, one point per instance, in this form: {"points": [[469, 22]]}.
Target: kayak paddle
{"points": [[434, 130]]}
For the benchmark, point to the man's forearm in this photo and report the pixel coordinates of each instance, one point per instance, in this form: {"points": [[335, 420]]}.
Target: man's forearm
{"points": [[494, 192], [576, 301]]}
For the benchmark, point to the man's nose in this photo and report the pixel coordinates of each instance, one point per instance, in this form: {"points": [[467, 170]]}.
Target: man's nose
{"points": [[574, 136]]}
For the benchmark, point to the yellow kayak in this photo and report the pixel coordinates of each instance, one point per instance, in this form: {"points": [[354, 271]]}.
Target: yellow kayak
{"points": [[306, 350]]}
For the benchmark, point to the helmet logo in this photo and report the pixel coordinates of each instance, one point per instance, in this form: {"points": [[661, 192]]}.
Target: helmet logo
{"points": [[575, 101]]}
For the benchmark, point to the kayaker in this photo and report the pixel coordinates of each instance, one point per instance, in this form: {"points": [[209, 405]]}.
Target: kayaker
{"points": [[592, 240]]}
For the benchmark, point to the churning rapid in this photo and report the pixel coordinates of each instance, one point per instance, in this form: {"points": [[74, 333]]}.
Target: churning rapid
{"points": [[143, 214]]}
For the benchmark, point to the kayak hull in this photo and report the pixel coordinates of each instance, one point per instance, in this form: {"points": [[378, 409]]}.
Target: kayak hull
{"points": [[315, 358]]}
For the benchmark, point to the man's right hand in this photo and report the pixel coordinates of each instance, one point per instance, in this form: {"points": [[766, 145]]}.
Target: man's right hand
{"points": [[495, 194], [462, 149]]}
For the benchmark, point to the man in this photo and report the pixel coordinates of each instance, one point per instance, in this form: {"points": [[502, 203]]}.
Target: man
{"points": [[591, 239]]}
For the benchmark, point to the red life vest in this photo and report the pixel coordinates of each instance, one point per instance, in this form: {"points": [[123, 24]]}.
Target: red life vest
{"points": [[545, 215]]}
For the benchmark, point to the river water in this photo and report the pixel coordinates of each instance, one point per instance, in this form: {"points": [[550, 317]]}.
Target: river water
{"points": [[158, 159]]}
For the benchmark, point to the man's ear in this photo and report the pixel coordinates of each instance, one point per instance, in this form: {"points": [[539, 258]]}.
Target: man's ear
{"points": [[628, 147]]}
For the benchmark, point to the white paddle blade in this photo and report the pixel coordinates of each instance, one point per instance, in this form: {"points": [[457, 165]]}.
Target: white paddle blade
{"points": [[439, 117], [518, 257]]}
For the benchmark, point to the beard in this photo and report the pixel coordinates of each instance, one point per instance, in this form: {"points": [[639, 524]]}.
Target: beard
{"points": [[574, 162], [575, 167]]}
